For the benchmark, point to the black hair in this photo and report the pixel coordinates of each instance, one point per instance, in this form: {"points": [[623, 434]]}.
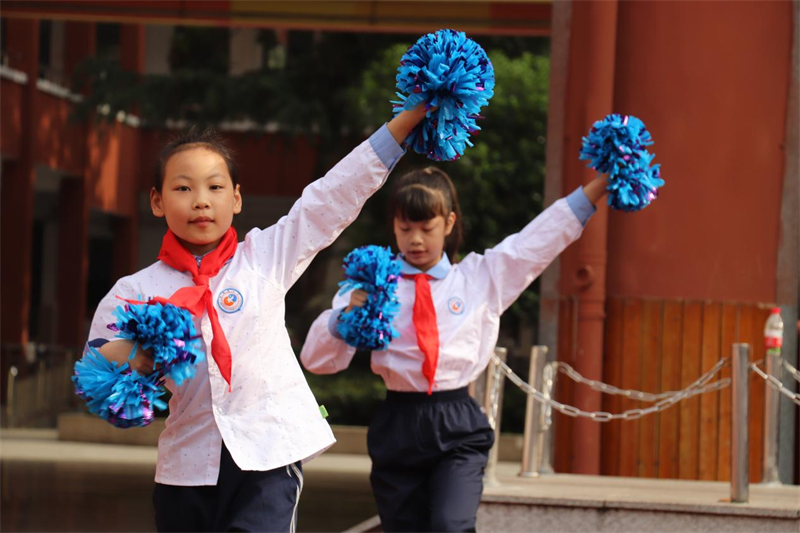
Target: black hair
{"points": [[195, 137], [423, 194]]}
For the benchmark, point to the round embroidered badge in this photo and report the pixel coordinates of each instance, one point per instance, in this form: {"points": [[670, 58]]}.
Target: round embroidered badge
{"points": [[455, 305], [230, 300]]}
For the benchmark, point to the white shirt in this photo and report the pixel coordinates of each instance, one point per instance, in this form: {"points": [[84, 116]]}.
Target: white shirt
{"points": [[468, 297], [270, 418]]}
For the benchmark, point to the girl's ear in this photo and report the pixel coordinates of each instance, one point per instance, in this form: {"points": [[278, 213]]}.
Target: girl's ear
{"points": [[449, 223], [237, 200], [156, 203]]}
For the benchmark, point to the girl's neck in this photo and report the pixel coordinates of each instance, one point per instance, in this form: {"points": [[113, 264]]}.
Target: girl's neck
{"points": [[199, 249], [426, 267]]}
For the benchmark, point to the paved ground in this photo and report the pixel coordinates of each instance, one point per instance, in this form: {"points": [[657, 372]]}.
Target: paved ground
{"points": [[52, 485]]}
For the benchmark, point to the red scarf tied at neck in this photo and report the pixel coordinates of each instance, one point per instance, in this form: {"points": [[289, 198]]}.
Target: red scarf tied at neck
{"points": [[198, 299]]}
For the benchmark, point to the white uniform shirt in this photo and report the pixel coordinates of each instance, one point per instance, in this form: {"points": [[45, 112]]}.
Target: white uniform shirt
{"points": [[270, 418], [468, 297]]}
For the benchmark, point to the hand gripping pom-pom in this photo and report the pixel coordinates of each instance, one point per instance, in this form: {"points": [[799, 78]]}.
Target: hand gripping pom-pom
{"points": [[375, 270], [168, 331], [115, 393], [126, 398], [616, 146], [447, 70]]}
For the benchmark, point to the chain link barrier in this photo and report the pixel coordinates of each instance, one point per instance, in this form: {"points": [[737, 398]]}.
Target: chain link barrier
{"points": [[791, 370], [775, 383], [663, 400]]}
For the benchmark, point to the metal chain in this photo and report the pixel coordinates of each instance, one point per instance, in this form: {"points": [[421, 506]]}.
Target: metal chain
{"points": [[776, 384], [629, 393], [792, 370], [700, 386], [573, 374]]}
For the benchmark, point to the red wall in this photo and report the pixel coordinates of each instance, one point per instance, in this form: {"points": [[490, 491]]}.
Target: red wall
{"points": [[10, 118], [710, 80], [269, 164], [60, 143]]}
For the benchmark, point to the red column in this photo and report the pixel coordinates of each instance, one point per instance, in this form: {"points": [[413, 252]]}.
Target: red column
{"points": [[132, 56], [590, 87], [16, 196], [73, 260], [73, 215], [79, 43]]}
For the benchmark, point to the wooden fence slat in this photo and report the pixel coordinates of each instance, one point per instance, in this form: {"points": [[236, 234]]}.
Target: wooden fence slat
{"points": [[612, 368], [728, 335], [669, 420], [651, 382], [709, 402], [690, 407], [757, 391], [631, 373]]}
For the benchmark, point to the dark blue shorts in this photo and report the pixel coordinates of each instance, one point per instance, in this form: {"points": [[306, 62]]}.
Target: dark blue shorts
{"points": [[240, 501], [428, 458]]}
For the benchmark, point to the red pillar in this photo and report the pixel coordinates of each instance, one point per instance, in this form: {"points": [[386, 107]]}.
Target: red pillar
{"points": [[73, 260], [79, 43], [16, 196], [132, 56], [73, 215], [590, 89]]}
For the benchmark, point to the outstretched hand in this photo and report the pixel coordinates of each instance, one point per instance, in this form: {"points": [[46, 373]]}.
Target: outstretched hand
{"points": [[358, 298], [119, 351], [401, 125], [595, 189]]}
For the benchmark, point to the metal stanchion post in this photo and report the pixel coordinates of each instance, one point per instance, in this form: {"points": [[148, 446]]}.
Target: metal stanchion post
{"points": [[740, 360], [532, 443], [492, 404]]}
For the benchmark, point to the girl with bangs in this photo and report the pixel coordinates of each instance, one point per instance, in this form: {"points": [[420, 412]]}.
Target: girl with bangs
{"points": [[429, 440]]}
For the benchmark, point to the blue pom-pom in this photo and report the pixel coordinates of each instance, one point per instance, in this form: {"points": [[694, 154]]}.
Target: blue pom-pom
{"points": [[616, 146], [451, 71], [375, 270], [168, 331], [115, 393]]}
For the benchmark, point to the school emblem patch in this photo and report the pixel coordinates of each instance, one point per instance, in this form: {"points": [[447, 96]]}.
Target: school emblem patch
{"points": [[230, 300], [455, 305]]}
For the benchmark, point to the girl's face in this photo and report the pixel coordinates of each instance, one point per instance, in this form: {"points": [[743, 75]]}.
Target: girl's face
{"points": [[198, 198], [422, 243]]}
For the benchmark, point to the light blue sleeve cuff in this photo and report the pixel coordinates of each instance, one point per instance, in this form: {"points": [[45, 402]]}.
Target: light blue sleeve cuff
{"points": [[580, 205], [333, 320], [387, 149]]}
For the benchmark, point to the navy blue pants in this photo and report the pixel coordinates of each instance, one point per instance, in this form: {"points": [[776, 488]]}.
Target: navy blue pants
{"points": [[428, 456], [240, 501]]}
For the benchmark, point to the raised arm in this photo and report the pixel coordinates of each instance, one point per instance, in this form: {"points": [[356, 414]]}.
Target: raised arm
{"points": [[282, 252], [511, 266], [324, 351]]}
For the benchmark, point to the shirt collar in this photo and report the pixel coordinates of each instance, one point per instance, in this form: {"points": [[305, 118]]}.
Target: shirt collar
{"points": [[437, 271]]}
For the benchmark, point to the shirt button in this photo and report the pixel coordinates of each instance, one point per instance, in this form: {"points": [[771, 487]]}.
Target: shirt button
{"points": [[217, 411], [213, 370]]}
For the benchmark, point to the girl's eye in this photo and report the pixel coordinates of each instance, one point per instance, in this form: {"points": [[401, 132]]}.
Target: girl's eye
{"points": [[216, 187], [182, 188]]}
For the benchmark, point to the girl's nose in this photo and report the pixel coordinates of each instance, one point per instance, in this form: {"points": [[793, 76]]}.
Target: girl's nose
{"points": [[200, 202]]}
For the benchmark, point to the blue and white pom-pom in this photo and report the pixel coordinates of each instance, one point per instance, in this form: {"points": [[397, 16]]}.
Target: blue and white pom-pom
{"points": [[616, 146], [126, 398], [375, 270], [447, 70], [168, 331], [115, 393]]}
